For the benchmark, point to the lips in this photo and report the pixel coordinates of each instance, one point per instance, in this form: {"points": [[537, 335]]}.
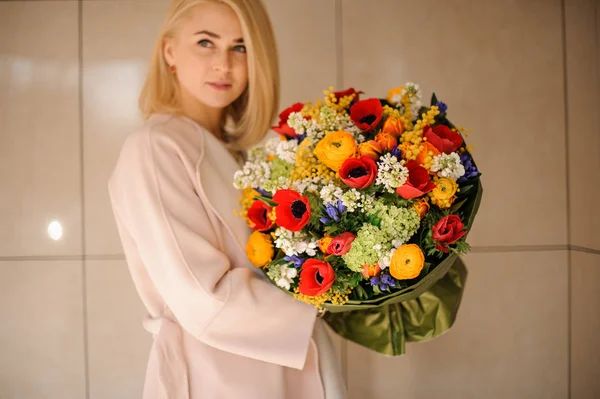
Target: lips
{"points": [[220, 85]]}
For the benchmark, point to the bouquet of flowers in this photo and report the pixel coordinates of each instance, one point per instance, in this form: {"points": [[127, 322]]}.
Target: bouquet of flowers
{"points": [[361, 207]]}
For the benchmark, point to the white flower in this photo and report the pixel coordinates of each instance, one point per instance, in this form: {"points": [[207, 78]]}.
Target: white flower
{"points": [[392, 173], [308, 248], [352, 199], [295, 243], [281, 183], [282, 275], [257, 154], [396, 99], [312, 184], [286, 150], [386, 259], [331, 121], [271, 145], [415, 95], [448, 165], [330, 194], [397, 243], [313, 130], [253, 174]]}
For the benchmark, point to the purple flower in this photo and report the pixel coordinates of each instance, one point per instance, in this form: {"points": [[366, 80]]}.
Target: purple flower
{"points": [[375, 281], [296, 260], [470, 168], [383, 282], [388, 280], [397, 152], [299, 138], [334, 212], [442, 106]]}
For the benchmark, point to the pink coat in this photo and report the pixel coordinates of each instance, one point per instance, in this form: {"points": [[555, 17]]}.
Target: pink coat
{"points": [[221, 330]]}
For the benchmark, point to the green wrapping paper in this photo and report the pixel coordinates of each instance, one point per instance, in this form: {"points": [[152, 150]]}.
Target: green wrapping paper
{"points": [[413, 316], [417, 313]]}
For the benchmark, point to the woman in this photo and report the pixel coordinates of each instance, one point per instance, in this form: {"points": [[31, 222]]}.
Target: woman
{"points": [[221, 330]]}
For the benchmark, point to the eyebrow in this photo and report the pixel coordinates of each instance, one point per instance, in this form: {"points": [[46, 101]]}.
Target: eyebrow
{"points": [[214, 35]]}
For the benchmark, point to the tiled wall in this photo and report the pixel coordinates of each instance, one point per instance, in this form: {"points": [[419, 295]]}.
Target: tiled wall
{"points": [[523, 74]]}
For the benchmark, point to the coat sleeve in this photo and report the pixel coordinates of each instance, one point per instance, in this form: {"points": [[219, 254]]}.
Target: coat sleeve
{"points": [[231, 309]]}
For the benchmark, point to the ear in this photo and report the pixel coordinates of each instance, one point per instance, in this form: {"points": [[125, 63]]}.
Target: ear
{"points": [[168, 51]]}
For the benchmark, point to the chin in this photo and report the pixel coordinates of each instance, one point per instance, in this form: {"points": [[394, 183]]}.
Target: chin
{"points": [[217, 101]]}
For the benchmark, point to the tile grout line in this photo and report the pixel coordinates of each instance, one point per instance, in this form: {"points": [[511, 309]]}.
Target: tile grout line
{"points": [[480, 250], [339, 58], [568, 193], [86, 356], [339, 53]]}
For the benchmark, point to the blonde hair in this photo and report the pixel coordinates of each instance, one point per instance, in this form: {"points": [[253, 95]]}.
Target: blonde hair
{"points": [[249, 117]]}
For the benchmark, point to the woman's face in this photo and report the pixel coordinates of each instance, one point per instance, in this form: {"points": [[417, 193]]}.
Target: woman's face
{"points": [[209, 55]]}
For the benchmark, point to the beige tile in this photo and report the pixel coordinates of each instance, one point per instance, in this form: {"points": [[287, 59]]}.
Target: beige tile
{"points": [[39, 128], [585, 319], [118, 38], [306, 43], [509, 341], [118, 345], [583, 90], [498, 65], [41, 339]]}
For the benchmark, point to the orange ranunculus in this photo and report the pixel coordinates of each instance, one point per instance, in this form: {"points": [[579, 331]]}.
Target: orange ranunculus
{"points": [[386, 140], [371, 270], [407, 262], [424, 153], [335, 148], [371, 149], [393, 126], [259, 249], [324, 243], [422, 207]]}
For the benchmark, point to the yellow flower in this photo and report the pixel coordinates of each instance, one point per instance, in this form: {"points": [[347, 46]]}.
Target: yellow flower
{"points": [[407, 262], [335, 148], [259, 249], [246, 201], [426, 154], [308, 166], [444, 194], [324, 243], [393, 94]]}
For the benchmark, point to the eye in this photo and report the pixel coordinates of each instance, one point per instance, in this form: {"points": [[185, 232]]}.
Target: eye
{"points": [[205, 43], [240, 49]]}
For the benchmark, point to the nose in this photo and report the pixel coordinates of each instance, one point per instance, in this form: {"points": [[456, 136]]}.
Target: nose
{"points": [[222, 62]]}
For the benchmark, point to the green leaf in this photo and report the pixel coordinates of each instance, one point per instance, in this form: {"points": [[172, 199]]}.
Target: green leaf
{"points": [[280, 255], [266, 200], [434, 99], [464, 190], [362, 294], [456, 206]]}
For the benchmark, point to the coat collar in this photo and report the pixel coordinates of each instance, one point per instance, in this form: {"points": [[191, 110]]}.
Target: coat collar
{"points": [[214, 173]]}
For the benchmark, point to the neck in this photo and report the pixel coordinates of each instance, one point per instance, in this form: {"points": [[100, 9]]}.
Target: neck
{"points": [[208, 117]]}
